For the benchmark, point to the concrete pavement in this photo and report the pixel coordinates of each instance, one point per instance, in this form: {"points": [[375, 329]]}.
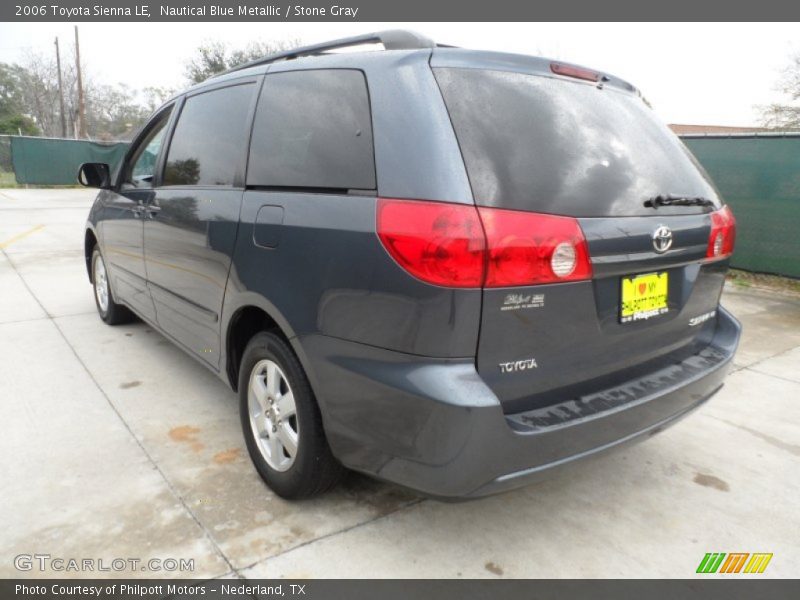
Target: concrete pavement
{"points": [[117, 445]]}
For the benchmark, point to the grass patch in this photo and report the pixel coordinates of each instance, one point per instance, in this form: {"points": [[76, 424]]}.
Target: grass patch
{"points": [[746, 279], [7, 179]]}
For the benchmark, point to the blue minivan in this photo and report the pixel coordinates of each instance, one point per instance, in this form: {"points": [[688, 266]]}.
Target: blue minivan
{"points": [[449, 269]]}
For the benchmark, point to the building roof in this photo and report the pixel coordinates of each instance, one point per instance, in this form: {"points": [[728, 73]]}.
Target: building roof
{"points": [[681, 129]]}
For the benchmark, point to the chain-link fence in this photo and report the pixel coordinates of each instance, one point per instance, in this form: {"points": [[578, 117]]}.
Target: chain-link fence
{"points": [[759, 176]]}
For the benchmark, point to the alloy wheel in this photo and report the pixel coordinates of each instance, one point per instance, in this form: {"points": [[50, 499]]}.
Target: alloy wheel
{"points": [[273, 415]]}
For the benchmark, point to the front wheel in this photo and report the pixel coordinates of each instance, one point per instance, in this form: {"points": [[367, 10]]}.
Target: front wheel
{"points": [[281, 421], [111, 312]]}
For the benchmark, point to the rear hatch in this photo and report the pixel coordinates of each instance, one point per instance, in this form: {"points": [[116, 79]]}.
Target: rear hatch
{"points": [[559, 140]]}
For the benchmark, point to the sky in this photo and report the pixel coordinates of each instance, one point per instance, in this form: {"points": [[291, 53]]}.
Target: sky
{"points": [[696, 73]]}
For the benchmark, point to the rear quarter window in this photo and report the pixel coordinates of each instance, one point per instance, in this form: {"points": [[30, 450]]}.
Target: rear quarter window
{"points": [[313, 129], [546, 144]]}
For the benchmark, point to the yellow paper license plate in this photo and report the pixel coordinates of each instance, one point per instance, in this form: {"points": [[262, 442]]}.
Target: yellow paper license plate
{"points": [[644, 297]]}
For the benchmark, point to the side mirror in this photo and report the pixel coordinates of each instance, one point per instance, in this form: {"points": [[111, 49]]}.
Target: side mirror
{"points": [[96, 175]]}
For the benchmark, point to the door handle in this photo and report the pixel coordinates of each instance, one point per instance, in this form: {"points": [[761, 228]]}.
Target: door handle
{"points": [[152, 210], [137, 211]]}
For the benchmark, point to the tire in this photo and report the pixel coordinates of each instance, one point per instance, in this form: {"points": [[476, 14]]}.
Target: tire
{"points": [[111, 312], [279, 412]]}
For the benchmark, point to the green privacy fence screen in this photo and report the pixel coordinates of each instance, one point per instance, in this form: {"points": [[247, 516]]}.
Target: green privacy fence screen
{"points": [[759, 176], [51, 161]]}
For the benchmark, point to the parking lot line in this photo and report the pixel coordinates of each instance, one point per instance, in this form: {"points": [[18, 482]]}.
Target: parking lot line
{"points": [[20, 236]]}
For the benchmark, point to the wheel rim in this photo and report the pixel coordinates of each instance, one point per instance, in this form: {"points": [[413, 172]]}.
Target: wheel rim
{"points": [[273, 415], [101, 284]]}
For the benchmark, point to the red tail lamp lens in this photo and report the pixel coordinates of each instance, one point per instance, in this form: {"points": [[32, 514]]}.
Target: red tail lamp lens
{"points": [[722, 238], [529, 248], [437, 242], [456, 245]]}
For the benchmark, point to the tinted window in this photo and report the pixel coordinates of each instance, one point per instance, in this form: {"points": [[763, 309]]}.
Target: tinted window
{"points": [[313, 130], [544, 144], [210, 138], [142, 166]]}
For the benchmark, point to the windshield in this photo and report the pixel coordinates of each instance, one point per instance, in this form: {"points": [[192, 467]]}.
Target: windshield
{"points": [[555, 146]]}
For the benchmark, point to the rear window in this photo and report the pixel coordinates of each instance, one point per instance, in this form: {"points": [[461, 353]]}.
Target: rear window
{"points": [[548, 145], [313, 129]]}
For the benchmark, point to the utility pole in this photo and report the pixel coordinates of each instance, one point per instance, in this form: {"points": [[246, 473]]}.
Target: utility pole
{"points": [[61, 94], [81, 103]]}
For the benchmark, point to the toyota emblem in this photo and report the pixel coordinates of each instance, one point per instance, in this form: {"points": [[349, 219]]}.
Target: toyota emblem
{"points": [[662, 239]]}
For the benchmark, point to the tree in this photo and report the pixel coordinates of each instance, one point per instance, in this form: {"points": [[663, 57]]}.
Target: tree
{"points": [[13, 119], [155, 96], [216, 57], [785, 115], [39, 91], [18, 125], [112, 111]]}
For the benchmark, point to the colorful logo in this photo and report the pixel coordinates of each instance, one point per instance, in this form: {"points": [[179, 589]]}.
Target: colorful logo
{"points": [[736, 562]]}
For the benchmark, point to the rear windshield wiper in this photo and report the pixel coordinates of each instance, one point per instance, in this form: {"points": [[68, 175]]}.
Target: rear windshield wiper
{"points": [[671, 200]]}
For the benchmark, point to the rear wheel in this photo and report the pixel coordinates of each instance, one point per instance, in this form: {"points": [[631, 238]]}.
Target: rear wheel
{"points": [[281, 421], [111, 312]]}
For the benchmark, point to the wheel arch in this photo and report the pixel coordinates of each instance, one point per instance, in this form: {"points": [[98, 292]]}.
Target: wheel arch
{"points": [[248, 318], [89, 242]]}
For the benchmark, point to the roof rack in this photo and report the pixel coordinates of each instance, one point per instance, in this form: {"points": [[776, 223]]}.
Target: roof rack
{"points": [[392, 39]]}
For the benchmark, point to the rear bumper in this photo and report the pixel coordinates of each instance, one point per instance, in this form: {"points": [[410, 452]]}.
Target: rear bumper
{"points": [[434, 425]]}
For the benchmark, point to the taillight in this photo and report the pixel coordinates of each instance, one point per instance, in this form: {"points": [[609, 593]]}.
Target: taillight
{"points": [[437, 242], [723, 234], [456, 245], [529, 248]]}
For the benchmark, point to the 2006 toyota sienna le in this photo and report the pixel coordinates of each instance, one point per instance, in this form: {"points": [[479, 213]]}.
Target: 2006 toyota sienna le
{"points": [[445, 268]]}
